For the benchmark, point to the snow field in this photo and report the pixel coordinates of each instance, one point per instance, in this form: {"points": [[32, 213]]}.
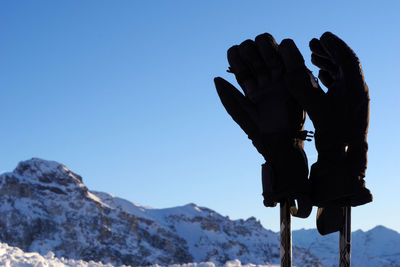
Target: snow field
{"points": [[15, 257]]}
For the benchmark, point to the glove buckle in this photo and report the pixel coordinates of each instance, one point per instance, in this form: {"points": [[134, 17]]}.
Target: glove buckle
{"points": [[305, 135]]}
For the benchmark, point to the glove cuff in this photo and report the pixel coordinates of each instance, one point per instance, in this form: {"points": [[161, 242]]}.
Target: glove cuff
{"points": [[285, 173], [337, 177]]}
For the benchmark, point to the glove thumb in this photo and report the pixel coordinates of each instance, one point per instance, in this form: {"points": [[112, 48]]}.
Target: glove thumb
{"points": [[241, 109]]}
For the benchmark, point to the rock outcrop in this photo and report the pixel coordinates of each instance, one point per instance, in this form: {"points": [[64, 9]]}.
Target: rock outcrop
{"points": [[46, 207]]}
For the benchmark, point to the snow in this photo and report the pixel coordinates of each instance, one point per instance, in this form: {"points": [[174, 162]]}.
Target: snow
{"points": [[15, 257], [121, 204], [376, 247], [234, 263], [97, 199], [205, 234]]}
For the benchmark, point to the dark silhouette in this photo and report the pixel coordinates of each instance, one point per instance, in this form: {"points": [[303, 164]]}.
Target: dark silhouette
{"points": [[278, 88], [271, 118], [340, 119]]}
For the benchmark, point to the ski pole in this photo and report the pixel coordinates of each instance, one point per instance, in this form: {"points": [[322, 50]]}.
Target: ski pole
{"points": [[286, 235], [345, 240]]}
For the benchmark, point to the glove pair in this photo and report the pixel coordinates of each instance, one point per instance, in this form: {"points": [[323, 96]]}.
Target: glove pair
{"points": [[278, 89]]}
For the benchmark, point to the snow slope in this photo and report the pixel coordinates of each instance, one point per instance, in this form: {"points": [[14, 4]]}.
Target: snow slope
{"points": [[379, 246], [44, 206], [15, 257]]}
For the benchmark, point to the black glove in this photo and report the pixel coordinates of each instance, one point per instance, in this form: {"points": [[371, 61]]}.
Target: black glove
{"points": [[340, 118], [271, 118]]}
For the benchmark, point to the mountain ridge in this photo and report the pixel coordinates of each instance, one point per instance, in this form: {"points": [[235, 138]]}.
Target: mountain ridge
{"points": [[46, 207]]}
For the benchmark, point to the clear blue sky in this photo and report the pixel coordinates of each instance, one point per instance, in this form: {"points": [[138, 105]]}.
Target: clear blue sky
{"points": [[122, 93]]}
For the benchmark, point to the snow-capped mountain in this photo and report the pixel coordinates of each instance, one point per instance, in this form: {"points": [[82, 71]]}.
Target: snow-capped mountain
{"points": [[46, 207], [379, 246]]}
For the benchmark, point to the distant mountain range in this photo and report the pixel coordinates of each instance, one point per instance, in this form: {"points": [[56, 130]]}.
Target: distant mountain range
{"points": [[44, 206]]}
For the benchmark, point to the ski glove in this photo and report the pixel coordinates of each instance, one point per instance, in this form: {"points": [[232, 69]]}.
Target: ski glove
{"points": [[340, 117], [271, 118]]}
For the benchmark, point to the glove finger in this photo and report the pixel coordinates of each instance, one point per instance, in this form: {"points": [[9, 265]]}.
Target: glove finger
{"points": [[325, 78], [356, 88], [292, 58], [238, 106], [268, 49], [250, 55], [340, 52], [316, 48], [243, 73], [300, 82], [324, 64]]}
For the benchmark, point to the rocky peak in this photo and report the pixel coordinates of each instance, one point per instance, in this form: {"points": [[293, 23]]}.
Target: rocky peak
{"points": [[47, 172], [44, 207]]}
